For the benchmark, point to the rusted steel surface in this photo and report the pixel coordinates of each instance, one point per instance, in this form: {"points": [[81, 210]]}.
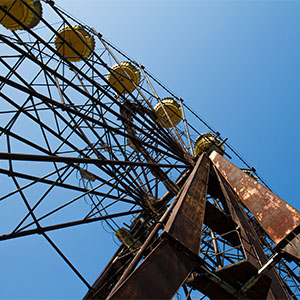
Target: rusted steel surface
{"points": [[117, 264], [292, 243], [159, 276], [251, 242], [185, 223], [221, 224], [98, 162], [239, 273], [162, 273], [211, 289], [276, 217]]}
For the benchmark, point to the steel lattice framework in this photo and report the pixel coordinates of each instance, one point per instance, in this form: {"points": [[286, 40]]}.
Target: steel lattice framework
{"points": [[69, 138]]}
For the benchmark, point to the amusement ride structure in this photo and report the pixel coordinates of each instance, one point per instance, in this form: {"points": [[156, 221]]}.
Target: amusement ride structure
{"points": [[88, 135]]}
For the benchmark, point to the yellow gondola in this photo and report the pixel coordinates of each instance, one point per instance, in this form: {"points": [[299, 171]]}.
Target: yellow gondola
{"points": [[126, 73], [126, 238], [208, 142], [21, 12], [4, 2], [76, 37], [168, 107]]}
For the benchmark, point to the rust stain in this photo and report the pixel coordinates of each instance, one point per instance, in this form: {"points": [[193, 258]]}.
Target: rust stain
{"points": [[185, 222], [276, 216]]}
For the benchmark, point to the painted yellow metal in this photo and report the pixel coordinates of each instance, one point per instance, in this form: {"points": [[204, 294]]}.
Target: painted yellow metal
{"points": [[74, 37], [126, 238], [4, 2], [207, 142], [21, 12], [127, 74], [85, 174], [169, 110]]}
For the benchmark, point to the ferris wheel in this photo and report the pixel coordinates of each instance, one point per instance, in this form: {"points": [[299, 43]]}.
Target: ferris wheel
{"points": [[89, 136]]}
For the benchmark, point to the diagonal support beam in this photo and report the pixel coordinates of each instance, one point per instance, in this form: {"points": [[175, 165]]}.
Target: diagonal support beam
{"points": [[67, 159], [266, 207], [185, 223], [153, 279], [250, 240], [177, 252]]}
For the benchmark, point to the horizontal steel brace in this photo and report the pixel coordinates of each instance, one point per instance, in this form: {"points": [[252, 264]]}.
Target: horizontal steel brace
{"points": [[41, 230], [66, 159]]}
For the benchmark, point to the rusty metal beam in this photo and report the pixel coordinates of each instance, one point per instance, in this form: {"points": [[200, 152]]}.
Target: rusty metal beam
{"points": [[266, 207], [120, 262], [260, 274], [177, 253], [67, 159], [165, 137], [185, 223], [160, 275], [250, 240], [41, 230]]}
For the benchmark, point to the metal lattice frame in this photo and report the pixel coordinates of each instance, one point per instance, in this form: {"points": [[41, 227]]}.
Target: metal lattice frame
{"points": [[66, 131]]}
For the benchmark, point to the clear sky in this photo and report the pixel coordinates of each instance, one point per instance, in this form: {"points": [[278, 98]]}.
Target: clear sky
{"points": [[236, 63]]}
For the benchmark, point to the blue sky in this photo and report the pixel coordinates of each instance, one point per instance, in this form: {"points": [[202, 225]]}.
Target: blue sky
{"points": [[236, 63]]}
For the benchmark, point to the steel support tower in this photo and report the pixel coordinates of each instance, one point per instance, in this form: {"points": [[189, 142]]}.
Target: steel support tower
{"points": [[217, 204], [88, 135]]}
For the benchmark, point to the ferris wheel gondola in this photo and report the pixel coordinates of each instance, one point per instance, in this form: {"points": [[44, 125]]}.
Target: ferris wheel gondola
{"points": [[89, 136]]}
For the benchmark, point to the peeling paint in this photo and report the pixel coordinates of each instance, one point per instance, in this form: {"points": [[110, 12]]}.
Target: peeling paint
{"points": [[275, 216]]}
